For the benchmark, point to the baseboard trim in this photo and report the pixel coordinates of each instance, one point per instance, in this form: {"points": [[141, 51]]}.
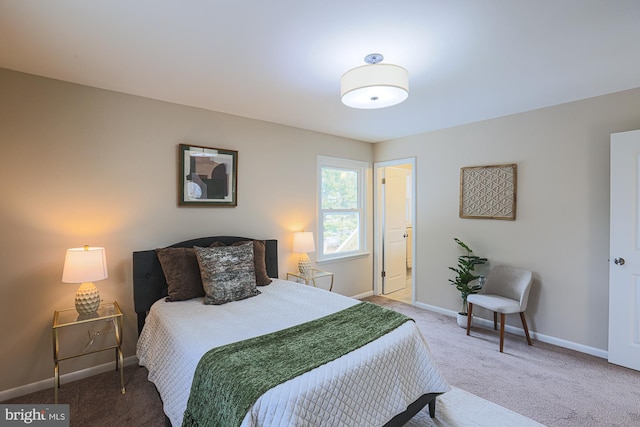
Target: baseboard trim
{"points": [[519, 331], [71, 376], [366, 294]]}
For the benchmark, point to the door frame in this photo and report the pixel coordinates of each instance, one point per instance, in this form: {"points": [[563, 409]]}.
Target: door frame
{"points": [[377, 221]]}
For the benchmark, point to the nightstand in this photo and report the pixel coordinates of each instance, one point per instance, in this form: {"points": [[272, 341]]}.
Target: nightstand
{"points": [[107, 312], [311, 277]]}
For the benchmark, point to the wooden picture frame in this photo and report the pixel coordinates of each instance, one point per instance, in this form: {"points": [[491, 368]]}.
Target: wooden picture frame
{"points": [[488, 192], [207, 176]]}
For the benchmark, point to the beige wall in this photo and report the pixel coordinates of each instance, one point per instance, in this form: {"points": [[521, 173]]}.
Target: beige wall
{"points": [[82, 165], [86, 166], [562, 226]]}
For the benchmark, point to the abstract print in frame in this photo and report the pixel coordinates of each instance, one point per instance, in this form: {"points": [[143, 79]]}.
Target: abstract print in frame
{"points": [[207, 176], [488, 192]]}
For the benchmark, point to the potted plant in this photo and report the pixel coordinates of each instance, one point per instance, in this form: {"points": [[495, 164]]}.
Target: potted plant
{"points": [[465, 280]]}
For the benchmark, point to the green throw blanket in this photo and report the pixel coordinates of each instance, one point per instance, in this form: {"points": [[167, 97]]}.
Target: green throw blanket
{"points": [[231, 378]]}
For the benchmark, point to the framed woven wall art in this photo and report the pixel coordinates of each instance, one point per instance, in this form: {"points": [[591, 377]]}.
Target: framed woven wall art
{"points": [[488, 192]]}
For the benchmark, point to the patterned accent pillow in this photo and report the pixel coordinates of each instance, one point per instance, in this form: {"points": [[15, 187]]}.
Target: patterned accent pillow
{"points": [[259, 262], [227, 272], [182, 273]]}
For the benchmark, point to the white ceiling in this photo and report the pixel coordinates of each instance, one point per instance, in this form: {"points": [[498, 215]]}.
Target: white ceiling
{"points": [[281, 61]]}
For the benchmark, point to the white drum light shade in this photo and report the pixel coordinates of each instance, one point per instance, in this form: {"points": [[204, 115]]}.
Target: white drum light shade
{"points": [[374, 86]]}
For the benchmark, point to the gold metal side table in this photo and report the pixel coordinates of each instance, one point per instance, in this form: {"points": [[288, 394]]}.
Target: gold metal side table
{"points": [[70, 317], [311, 277]]}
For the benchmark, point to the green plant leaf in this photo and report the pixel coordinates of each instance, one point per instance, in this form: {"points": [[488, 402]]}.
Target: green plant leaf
{"points": [[464, 273]]}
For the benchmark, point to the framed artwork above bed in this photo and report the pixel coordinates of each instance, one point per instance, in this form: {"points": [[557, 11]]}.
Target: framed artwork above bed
{"points": [[207, 176]]}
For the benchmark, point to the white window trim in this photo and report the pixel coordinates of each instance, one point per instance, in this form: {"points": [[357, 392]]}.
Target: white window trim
{"points": [[362, 168]]}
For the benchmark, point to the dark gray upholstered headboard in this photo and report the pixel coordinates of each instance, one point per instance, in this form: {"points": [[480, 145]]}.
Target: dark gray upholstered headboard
{"points": [[149, 284]]}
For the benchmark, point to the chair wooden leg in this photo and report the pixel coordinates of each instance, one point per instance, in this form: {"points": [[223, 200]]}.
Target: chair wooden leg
{"points": [[501, 332], [470, 310], [526, 330], [495, 321]]}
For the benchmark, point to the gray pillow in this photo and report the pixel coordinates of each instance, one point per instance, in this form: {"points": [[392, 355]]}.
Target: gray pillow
{"points": [[259, 263], [228, 273]]}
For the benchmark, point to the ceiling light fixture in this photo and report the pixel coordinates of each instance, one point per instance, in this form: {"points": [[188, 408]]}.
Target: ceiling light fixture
{"points": [[375, 85]]}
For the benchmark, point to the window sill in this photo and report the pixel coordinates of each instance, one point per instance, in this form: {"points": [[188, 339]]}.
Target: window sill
{"points": [[349, 257]]}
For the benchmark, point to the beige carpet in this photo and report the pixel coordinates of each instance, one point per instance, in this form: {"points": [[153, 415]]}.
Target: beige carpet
{"points": [[96, 402], [551, 385], [458, 408], [554, 386]]}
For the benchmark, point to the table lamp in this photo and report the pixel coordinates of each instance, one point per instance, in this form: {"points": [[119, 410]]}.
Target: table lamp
{"points": [[302, 244], [85, 265]]}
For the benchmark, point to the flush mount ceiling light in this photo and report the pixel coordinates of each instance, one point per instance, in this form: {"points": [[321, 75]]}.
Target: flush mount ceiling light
{"points": [[375, 85]]}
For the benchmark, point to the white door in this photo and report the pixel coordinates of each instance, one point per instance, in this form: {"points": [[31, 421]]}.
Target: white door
{"points": [[394, 246], [624, 254]]}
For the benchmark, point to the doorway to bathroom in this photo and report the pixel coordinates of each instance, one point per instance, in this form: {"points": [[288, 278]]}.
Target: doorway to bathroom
{"points": [[395, 229]]}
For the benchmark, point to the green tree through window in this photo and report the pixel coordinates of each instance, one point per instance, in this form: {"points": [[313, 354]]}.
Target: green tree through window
{"points": [[341, 212]]}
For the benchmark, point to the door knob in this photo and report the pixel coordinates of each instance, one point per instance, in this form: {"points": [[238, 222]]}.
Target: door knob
{"points": [[618, 261]]}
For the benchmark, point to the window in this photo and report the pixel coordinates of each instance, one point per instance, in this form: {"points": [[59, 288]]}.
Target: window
{"points": [[341, 214]]}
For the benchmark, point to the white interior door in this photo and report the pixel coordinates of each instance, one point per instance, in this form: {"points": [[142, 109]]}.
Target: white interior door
{"points": [[394, 246], [624, 254]]}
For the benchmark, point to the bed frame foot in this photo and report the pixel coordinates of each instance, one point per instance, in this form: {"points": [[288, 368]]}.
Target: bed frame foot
{"points": [[424, 400], [432, 408]]}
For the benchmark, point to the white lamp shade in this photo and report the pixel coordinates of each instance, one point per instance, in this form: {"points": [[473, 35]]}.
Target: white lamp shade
{"points": [[374, 86], [303, 242], [83, 265]]}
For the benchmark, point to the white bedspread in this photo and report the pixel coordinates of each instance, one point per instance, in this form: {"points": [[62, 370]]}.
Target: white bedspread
{"points": [[366, 387]]}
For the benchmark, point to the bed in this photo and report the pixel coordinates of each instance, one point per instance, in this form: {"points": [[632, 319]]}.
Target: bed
{"points": [[385, 382]]}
